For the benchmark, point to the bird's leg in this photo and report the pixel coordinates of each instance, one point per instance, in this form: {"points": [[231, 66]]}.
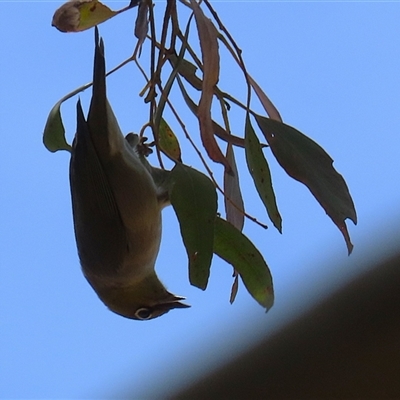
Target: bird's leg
{"points": [[160, 176]]}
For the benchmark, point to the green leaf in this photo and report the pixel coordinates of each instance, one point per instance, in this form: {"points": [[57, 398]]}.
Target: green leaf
{"points": [[235, 287], [194, 199], [54, 132], [93, 13], [187, 70], [261, 174], [235, 248], [235, 211], [168, 142], [307, 162]]}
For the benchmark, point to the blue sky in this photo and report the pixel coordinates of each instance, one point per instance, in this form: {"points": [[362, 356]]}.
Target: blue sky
{"points": [[331, 68]]}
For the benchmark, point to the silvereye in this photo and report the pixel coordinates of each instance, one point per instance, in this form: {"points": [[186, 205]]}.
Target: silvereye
{"points": [[117, 198]]}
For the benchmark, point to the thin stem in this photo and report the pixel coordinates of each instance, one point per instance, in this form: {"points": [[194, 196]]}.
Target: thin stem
{"points": [[191, 51], [143, 128], [152, 88], [161, 50], [236, 47], [175, 25]]}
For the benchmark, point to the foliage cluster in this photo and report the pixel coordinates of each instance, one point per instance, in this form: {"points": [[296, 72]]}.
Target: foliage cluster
{"points": [[193, 195]]}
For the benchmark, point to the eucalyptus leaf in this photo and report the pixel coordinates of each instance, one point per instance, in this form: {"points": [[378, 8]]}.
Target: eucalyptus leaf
{"points": [[187, 70], [142, 23], [94, 13], [233, 199], [208, 36], [307, 162], [194, 199], [235, 288], [261, 174], [235, 248], [54, 131], [265, 101], [168, 141], [79, 15]]}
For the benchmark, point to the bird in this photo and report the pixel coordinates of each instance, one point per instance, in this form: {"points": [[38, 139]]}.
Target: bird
{"points": [[117, 199]]}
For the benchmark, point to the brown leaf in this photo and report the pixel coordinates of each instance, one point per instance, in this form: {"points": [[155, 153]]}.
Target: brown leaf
{"points": [[307, 162], [142, 23], [208, 36], [265, 101], [79, 15]]}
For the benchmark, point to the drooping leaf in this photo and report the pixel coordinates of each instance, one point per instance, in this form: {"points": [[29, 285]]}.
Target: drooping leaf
{"points": [[307, 162], [208, 36], [142, 22], [235, 248], [194, 199], [235, 288], [79, 15], [234, 206], [163, 99], [261, 174], [265, 101], [54, 131], [187, 70], [168, 142], [234, 215]]}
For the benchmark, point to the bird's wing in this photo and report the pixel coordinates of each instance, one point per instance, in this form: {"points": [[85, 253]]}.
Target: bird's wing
{"points": [[100, 234]]}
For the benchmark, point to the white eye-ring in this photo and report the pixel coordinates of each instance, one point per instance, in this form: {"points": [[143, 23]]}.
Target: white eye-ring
{"points": [[143, 313]]}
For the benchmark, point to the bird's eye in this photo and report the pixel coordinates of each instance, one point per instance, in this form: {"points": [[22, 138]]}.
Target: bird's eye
{"points": [[143, 313]]}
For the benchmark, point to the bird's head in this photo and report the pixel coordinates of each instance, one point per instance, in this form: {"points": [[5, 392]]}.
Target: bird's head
{"points": [[142, 300]]}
